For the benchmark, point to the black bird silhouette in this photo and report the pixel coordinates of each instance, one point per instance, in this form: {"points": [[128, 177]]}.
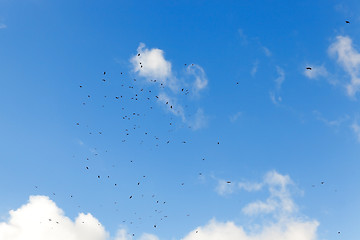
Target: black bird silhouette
{"points": [[347, 22], [104, 73], [308, 68]]}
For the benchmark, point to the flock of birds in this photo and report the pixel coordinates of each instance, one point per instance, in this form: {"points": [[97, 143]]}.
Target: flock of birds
{"points": [[149, 96]]}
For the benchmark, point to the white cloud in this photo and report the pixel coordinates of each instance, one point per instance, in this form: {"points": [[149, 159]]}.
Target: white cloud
{"points": [[356, 128], [349, 58], [2, 26], [152, 65], [31, 221], [279, 200], [285, 225], [200, 77], [315, 72], [289, 229], [41, 219]]}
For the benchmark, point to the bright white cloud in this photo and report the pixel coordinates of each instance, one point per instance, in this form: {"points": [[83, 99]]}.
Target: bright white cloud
{"points": [[285, 226], [315, 72], [289, 229], [349, 58], [31, 221], [152, 65], [41, 219], [279, 200]]}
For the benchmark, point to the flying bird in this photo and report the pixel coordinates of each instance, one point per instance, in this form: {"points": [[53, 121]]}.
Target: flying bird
{"points": [[347, 22], [308, 68]]}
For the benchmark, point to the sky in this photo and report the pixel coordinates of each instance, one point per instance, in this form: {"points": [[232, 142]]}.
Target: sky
{"points": [[181, 120]]}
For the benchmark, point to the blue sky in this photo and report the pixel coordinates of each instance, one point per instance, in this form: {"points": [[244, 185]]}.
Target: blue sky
{"points": [[236, 136]]}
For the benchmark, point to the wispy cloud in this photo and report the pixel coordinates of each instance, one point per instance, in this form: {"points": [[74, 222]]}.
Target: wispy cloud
{"points": [[349, 58], [2, 26], [281, 78], [254, 68], [315, 72], [201, 80], [233, 118], [267, 52], [152, 65], [275, 94], [330, 123], [356, 129]]}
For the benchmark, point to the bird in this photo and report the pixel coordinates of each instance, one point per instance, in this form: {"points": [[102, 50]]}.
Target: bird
{"points": [[228, 182], [347, 21], [308, 68], [104, 73]]}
